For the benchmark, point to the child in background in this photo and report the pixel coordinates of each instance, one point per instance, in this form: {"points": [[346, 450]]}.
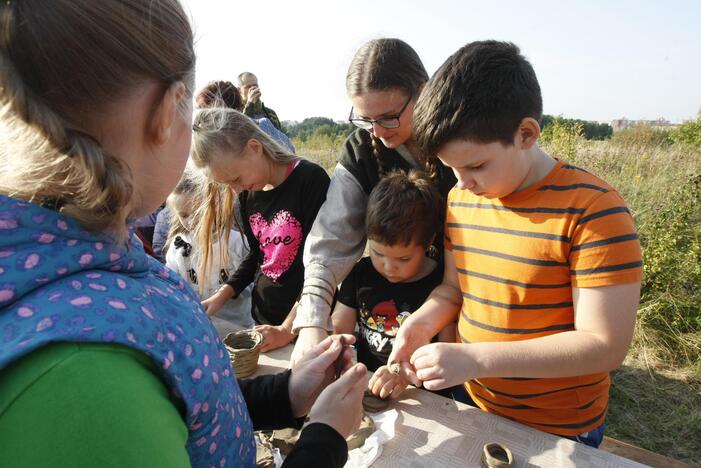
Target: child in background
{"points": [[543, 264], [183, 251], [403, 215], [279, 195]]}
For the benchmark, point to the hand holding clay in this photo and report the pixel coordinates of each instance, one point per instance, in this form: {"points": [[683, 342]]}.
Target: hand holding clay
{"points": [[340, 404], [317, 369]]}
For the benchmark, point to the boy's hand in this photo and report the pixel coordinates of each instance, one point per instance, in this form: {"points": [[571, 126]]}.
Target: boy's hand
{"points": [[442, 365], [216, 301], [385, 383], [274, 337], [410, 337]]}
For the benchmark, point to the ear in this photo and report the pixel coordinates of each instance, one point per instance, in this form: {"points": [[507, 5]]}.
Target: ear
{"points": [[254, 146], [166, 111], [528, 133]]}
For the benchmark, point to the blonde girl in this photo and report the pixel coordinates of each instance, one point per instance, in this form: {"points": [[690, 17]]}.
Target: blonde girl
{"points": [[183, 250], [279, 196]]}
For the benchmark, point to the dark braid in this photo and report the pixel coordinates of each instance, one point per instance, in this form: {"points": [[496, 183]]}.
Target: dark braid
{"points": [[377, 150], [433, 169]]}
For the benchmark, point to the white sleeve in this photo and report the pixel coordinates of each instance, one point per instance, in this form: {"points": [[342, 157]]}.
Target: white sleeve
{"points": [[334, 244], [238, 249]]}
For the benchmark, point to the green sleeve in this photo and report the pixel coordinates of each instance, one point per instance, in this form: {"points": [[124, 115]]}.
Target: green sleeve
{"points": [[86, 405], [252, 109]]}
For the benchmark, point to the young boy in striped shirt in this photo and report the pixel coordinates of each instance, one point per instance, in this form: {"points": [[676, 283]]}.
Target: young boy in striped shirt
{"points": [[542, 260]]}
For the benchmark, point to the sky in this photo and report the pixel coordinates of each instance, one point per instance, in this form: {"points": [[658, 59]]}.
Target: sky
{"points": [[595, 60]]}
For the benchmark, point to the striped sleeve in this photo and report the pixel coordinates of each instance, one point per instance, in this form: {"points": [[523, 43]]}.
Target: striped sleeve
{"points": [[605, 248]]}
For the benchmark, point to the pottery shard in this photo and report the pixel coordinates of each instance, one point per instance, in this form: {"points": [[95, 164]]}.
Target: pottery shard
{"points": [[284, 440], [264, 453], [357, 439]]}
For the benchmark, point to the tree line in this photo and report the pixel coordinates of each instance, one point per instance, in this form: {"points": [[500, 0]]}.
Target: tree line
{"points": [[323, 127]]}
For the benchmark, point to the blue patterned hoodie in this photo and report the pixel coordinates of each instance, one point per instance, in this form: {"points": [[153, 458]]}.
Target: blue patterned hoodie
{"points": [[61, 283]]}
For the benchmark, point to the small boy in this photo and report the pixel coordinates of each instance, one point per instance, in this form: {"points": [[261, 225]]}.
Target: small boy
{"points": [[403, 215], [543, 264]]}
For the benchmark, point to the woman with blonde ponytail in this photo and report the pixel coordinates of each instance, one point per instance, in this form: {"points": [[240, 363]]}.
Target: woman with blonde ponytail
{"points": [[107, 357]]}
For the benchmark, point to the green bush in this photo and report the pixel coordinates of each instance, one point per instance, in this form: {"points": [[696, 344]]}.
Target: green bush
{"points": [[661, 184], [672, 260], [643, 135], [561, 138], [688, 134]]}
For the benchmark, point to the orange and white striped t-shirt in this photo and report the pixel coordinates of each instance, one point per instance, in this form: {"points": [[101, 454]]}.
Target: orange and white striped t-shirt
{"points": [[518, 259]]}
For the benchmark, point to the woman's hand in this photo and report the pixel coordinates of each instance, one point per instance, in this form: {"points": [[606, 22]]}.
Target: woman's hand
{"points": [[216, 301], [385, 383], [340, 405], [317, 369], [274, 337]]}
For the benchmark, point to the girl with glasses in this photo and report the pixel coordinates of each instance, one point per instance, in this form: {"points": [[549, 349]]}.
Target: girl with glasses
{"points": [[383, 81]]}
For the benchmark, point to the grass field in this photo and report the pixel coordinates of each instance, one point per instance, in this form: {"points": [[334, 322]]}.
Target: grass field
{"points": [[656, 394]]}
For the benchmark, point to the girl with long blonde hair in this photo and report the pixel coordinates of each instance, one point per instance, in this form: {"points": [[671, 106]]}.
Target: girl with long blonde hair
{"points": [[279, 195]]}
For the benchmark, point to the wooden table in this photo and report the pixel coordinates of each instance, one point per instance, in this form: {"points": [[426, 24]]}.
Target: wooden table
{"points": [[433, 431]]}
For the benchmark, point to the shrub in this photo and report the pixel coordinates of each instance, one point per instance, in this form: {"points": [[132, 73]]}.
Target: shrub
{"points": [[688, 134], [561, 138], [643, 135]]}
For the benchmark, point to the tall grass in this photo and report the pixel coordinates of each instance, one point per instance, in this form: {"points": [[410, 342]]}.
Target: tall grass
{"points": [[661, 183], [656, 396], [322, 149]]}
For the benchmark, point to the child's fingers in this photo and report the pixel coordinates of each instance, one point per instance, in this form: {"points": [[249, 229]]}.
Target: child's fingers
{"points": [[397, 390], [430, 373], [379, 374], [347, 358], [425, 356], [388, 387], [409, 374], [436, 384]]}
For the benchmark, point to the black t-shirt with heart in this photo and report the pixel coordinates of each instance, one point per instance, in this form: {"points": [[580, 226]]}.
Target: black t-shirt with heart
{"points": [[276, 223]]}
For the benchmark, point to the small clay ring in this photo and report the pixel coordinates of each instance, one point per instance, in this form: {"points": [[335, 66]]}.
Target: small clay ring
{"points": [[395, 368]]}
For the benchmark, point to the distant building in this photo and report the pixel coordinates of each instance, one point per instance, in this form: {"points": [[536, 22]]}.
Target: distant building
{"points": [[620, 124]]}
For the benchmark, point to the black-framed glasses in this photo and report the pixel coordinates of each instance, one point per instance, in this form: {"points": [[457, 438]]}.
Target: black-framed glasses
{"points": [[388, 122]]}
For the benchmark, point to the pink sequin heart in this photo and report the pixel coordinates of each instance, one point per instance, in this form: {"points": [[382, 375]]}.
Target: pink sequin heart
{"points": [[279, 241]]}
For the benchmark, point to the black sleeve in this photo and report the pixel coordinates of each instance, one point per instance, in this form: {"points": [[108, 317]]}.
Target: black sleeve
{"points": [[318, 445], [268, 401], [246, 272], [315, 196], [349, 286]]}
